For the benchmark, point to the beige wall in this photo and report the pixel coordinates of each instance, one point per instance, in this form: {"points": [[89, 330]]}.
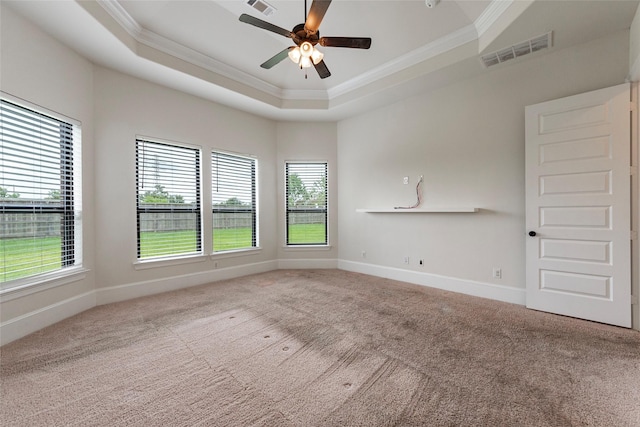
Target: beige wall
{"points": [[467, 140], [38, 69], [115, 108], [301, 141], [127, 107]]}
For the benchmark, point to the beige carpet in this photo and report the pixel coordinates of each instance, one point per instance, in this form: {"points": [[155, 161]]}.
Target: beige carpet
{"points": [[320, 348]]}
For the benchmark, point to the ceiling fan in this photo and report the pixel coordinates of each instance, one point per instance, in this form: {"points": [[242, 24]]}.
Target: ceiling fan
{"points": [[306, 36]]}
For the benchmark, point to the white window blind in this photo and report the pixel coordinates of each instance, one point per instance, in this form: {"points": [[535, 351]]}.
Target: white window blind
{"points": [[233, 185], [168, 199], [306, 204], [40, 203]]}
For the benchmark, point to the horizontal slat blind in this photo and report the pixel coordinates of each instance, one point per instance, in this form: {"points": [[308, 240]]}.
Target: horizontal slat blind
{"points": [[306, 191], [39, 195], [233, 185], [168, 199]]}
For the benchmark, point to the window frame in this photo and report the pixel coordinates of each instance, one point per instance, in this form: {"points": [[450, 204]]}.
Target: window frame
{"points": [[325, 210], [70, 207], [255, 240], [175, 257]]}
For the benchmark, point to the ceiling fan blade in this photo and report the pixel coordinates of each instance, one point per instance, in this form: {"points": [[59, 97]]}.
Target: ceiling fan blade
{"points": [[352, 42], [322, 70], [316, 13], [265, 25], [277, 58]]}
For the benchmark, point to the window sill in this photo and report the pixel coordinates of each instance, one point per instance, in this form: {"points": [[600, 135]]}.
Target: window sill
{"points": [[307, 247], [167, 262], [235, 253], [28, 286]]}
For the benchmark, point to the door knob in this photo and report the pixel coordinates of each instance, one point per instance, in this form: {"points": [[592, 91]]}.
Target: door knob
{"points": [[532, 233]]}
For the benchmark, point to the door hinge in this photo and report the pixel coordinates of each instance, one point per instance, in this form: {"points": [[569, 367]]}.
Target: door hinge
{"points": [[634, 300], [633, 170], [632, 106], [633, 235]]}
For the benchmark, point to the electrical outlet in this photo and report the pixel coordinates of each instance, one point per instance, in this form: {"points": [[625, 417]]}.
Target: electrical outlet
{"points": [[421, 262], [405, 180], [497, 273], [364, 254], [406, 260]]}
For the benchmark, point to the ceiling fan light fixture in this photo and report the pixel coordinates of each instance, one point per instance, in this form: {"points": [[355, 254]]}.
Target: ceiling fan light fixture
{"points": [[305, 62], [306, 55], [306, 36], [316, 56], [295, 55], [306, 49]]}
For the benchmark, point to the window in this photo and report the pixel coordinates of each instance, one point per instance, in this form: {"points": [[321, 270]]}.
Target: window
{"points": [[168, 199], [233, 186], [306, 188], [40, 220]]}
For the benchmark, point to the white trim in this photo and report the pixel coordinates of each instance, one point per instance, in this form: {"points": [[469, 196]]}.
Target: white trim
{"points": [[153, 40], [634, 71], [153, 139], [35, 284], [444, 44], [122, 17], [235, 253], [156, 286], [40, 109], [301, 264], [635, 198], [490, 15], [469, 287], [26, 324], [456, 209], [462, 36], [301, 248], [146, 263]]}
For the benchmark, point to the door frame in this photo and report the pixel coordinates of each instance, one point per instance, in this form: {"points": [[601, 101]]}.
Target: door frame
{"points": [[635, 205]]}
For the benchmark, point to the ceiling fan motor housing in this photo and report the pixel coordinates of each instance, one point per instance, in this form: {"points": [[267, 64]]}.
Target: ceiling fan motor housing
{"points": [[302, 35]]}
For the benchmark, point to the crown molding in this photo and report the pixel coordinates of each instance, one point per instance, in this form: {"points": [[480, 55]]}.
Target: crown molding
{"points": [[122, 17], [444, 44], [470, 33], [490, 15], [177, 50]]}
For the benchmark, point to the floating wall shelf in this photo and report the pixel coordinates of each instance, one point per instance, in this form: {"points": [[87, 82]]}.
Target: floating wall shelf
{"points": [[456, 209]]}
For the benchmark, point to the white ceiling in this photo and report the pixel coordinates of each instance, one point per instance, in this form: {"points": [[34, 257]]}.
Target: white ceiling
{"points": [[201, 47]]}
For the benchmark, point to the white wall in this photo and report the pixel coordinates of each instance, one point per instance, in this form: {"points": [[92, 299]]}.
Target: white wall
{"points": [[468, 142], [36, 68], [634, 48], [113, 108], [127, 107], [308, 142], [466, 139]]}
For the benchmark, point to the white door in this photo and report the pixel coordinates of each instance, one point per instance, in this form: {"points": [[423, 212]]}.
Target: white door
{"points": [[578, 204]]}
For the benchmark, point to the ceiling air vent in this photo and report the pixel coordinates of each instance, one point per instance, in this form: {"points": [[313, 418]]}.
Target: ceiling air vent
{"points": [[517, 50], [261, 6]]}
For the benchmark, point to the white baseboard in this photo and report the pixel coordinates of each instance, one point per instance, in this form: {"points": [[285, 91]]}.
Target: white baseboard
{"points": [[26, 324], [468, 287], [297, 264], [157, 286], [31, 322]]}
